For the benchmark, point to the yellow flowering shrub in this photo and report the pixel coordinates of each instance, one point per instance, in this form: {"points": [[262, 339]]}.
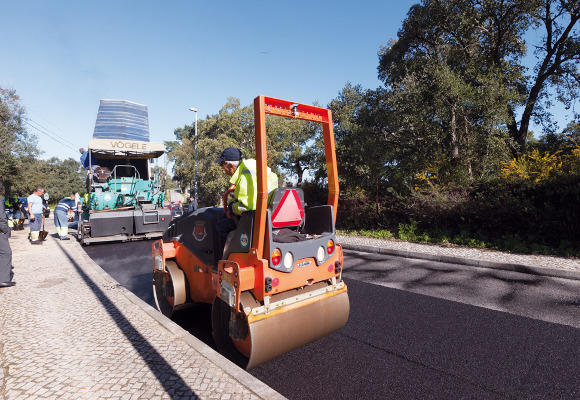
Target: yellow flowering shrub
{"points": [[425, 178], [429, 177], [539, 167]]}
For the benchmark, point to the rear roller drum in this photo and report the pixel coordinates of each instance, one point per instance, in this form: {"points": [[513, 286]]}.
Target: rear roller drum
{"points": [[169, 289]]}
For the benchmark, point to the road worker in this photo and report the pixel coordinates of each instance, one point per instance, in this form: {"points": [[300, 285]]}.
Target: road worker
{"points": [[244, 175], [61, 216], [12, 210], [90, 163], [5, 250], [36, 208]]}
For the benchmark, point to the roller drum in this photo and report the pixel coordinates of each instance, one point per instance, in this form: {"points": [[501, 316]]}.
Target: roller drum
{"points": [[278, 331], [170, 289], [271, 337]]}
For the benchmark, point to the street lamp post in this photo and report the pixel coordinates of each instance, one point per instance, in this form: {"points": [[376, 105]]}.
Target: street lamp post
{"points": [[195, 167]]}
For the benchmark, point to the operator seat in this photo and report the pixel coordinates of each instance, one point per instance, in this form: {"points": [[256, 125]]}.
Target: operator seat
{"points": [[102, 174]]}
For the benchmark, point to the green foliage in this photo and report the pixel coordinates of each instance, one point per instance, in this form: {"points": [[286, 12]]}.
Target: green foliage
{"points": [[519, 216], [20, 169], [456, 80], [562, 158], [553, 142], [232, 126], [408, 232], [59, 178], [17, 146], [375, 234], [448, 102], [63, 177], [423, 157], [364, 154], [293, 148], [315, 193]]}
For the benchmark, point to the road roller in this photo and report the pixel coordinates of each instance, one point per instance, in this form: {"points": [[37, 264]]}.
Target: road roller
{"points": [[275, 284]]}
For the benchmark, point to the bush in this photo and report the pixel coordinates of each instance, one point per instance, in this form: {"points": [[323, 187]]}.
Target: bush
{"points": [[408, 232], [519, 215]]}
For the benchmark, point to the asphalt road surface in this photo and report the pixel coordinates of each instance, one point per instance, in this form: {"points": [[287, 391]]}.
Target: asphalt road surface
{"points": [[417, 330]]}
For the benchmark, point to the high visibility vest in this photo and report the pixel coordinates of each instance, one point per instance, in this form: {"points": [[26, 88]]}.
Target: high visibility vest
{"points": [[246, 192]]}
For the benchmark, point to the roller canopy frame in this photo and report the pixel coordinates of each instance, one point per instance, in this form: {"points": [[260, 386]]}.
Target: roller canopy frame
{"points": [[268, 105]]}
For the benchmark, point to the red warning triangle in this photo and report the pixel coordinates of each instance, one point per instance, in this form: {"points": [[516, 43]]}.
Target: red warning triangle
{"points": [[289, 211]]}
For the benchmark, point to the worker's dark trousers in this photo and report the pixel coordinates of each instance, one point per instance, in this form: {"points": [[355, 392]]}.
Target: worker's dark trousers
{"points": [[225, 225], [5, 259]]}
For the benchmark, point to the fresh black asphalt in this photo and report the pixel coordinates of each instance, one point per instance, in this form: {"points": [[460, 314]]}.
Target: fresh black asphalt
{"points": [[417, 330]]}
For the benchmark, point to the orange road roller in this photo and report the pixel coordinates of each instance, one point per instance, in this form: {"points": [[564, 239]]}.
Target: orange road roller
{"points": [[276, 284]]}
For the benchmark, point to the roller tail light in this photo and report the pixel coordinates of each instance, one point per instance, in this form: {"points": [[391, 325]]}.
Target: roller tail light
{"points": [[330, 247], [276, 257]]}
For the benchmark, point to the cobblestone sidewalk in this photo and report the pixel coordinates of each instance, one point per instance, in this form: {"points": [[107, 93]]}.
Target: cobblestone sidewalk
{"points": [[68, 331]]}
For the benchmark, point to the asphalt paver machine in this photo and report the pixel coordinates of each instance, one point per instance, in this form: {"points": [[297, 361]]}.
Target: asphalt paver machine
{"points": [[125, 197], [269, 295]]}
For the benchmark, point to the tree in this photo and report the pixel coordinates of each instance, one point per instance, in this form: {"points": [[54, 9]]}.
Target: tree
{"points": [[290, 148], [457, 69], [232, 126], [360, 152], [63, 177], [59, 178], [563, 142], [556, 69], [364, 154], [481, 42], [448, 108], [17, 146], [294, 146]]}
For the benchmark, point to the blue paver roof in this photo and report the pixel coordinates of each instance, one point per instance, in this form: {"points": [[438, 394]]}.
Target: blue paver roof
{"points": [[122, 120]]}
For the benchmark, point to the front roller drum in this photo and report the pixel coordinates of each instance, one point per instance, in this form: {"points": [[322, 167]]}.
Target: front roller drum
{"points": [[282, 330], [170, 289]]}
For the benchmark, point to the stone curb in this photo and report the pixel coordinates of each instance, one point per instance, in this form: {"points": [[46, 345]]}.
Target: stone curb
{"points": [[526, 269], [251, 383]]}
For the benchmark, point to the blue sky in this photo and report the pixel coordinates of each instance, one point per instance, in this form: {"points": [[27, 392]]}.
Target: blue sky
{"points": [[63, 57]]}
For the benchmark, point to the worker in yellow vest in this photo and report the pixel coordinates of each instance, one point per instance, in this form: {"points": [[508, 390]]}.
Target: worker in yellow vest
{"points": [[244, 175], [12, 209]]}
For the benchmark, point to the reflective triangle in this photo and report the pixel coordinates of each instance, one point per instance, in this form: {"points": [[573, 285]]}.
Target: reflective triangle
{"points": [[289, 211]]}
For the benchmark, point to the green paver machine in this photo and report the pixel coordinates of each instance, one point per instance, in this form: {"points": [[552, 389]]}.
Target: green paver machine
{"points": [[125, 198]]}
